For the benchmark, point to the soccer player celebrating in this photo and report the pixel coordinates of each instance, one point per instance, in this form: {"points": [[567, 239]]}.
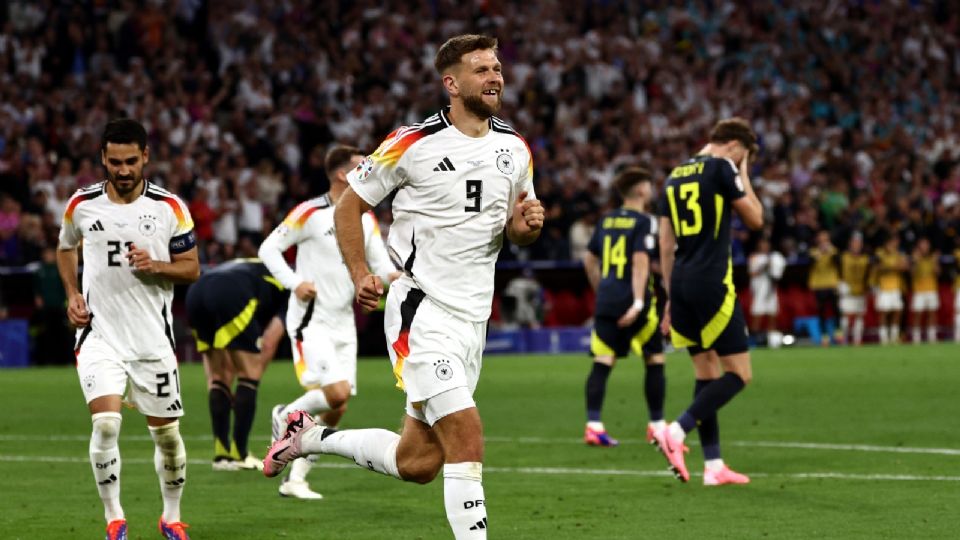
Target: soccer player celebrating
{"points": [[320, 319], [138, 241], [229, 309], [854, 266], [889, 277], [618, 266], [925, 301], [462, 178], [703, 313]]}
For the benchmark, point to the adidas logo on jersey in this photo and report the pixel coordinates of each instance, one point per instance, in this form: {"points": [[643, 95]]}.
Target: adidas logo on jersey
{"points": [[482, 524], [445, 165], [97, 226]]}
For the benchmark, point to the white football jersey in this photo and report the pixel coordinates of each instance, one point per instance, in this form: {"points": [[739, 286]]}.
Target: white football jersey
{"points": [[310, 227], [771, 266], [129, 310], [454, 196]]}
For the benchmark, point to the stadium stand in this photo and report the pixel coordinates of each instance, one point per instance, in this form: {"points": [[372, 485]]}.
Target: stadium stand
{"points": [[241, 98]]}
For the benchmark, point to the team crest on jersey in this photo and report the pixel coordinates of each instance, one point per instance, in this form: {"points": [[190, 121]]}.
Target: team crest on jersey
{"points": [[89, 383], [443, 371], [147, 225], [363, 169], [505, 161]]}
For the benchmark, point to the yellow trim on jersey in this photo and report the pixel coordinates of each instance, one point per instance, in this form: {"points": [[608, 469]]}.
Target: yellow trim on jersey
{"points": [[719, 322], [398, 371], [645, 333], [273, 281], [236, 326], [718, 206], [202, 346], [598, 347]]}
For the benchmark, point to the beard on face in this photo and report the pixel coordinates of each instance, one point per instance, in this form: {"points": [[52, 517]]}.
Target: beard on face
{"points": [[134, 179], [479, 108]]}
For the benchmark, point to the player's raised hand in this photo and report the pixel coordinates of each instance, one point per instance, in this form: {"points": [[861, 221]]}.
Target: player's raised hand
{"points": [[305, 291], [141, 261], [77, 311], [527, 214], [369, 290]]}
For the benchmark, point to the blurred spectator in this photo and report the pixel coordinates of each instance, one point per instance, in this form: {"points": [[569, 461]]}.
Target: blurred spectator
{"points": [[522, 302], [53, 340]]}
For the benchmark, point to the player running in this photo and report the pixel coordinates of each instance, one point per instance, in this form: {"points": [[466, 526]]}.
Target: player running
{"points": [[463, 178], [618, 266], [320, 319], [703, 313], [229, 308], [138, 241]]}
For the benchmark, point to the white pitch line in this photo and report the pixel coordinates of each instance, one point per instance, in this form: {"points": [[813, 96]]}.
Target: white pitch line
{"points": [[549, 471], [559, 440]]}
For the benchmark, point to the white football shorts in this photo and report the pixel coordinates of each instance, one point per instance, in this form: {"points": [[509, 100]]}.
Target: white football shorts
{"points": [[925, 301], [853, 305], [326, 355], [764, 305], [889, 301], [432, 351], [154, 385]]}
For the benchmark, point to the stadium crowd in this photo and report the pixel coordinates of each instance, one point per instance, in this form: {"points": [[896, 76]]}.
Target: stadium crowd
{"points": [[856, 105]]}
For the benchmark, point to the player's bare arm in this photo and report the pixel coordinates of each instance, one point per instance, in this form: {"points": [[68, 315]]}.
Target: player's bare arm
{"points": [[182, 268], [641, 271], [591, 265], [749, 208], [305, 291], [349, 227], [668, 244], [67, 265], [527, 221]]}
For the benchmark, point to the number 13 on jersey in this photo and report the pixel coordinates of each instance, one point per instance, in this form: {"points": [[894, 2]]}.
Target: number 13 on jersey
{"points": [[690, 195]]}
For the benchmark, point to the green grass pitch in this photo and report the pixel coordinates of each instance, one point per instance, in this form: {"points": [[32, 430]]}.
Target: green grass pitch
{"points": [[840, 442]]}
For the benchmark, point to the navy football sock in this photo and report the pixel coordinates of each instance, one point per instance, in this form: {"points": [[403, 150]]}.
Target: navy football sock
{"points": [[714, 395], [596, 389], [709, 428], [243, 410], [220, 401], [655, 389]]}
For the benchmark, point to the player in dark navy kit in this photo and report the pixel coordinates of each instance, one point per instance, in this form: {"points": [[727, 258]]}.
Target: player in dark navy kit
{"points": [[229, 309], [618, 263], [703, 313]]}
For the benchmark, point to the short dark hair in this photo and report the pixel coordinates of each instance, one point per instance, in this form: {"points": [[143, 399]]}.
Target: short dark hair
{"points": [[338, 156], [630, 177], [123, 131], [735, 129], [453, 50]]}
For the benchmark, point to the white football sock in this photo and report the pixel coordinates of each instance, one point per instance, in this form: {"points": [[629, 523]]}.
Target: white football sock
{"points": [[858, 330], [170, 462], [884, 335], [932, 334], [895, 333], [713, 464], [915, 335], [313, 401], [300, 468], [374, 449], [676, 432], [464, 501], [105, 460], [845, 327]]}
